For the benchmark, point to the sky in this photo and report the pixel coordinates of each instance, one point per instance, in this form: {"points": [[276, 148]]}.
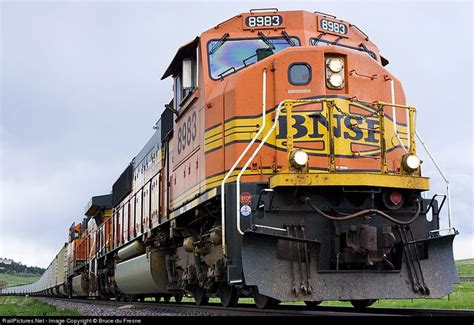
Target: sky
{"points": [[80, 92]]}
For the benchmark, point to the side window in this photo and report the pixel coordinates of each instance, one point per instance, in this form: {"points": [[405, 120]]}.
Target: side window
{"points": [[299, 74], [185, 82], [177, 91]]}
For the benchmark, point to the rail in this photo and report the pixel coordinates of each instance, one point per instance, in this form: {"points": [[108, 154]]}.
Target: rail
{"points": [[144, 308]]}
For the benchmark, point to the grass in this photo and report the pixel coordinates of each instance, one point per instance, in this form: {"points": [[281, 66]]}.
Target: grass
{"points": [[465, 267], [14, 280], [461, 298], [27, 306]]}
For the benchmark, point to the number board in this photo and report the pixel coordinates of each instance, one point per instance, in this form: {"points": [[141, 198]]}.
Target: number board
{"points": [[332, 27], [265, 21]]}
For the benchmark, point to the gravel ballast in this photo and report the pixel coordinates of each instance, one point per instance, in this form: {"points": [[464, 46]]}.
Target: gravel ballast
{"points": [[92, 308]]}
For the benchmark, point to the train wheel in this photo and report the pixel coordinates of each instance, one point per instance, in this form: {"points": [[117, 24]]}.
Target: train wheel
{"points": [[228, 294], [200, 297], [262, 301], [361, 304], [178, 297], [157, 298], [312, 304], [167, 298]]}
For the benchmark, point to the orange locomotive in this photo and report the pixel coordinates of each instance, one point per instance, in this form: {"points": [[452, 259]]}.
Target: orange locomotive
{"points": [[284, 168]]}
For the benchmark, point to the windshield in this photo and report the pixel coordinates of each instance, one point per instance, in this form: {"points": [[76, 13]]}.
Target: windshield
{"points": [[228, 56]]}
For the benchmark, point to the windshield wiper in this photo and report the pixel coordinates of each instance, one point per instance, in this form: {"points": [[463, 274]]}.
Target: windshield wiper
{"points": [[219, 43], [288, 38], [369, 52], [266, 40], [227, 72]]}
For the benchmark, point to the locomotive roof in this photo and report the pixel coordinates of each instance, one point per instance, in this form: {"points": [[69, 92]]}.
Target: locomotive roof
{"points": [[293, 20], [184, 51]]}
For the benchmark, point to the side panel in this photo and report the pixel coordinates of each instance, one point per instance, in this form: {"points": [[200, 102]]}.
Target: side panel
{"points": [[146, 206], [61, 274], [154, 198], [108, 234], [132, 229], [126, 218], [138, 213], [186, 144]]}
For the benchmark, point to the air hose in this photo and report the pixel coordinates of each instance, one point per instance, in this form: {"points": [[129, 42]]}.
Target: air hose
{"points": [[307, 200]]}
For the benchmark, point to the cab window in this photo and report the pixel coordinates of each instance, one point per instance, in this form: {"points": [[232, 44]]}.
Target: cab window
{"points": [[227, 56], [185, 81], [299, 74]]}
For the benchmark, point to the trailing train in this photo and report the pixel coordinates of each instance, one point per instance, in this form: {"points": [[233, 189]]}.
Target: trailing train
{"points": [[284, 168]]}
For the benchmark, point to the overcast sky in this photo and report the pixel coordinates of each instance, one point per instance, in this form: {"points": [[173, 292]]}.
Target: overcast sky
{"points": [[81, 90]]}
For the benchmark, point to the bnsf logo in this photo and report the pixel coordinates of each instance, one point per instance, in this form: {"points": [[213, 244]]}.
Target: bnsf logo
{"points": [[315, 126]]}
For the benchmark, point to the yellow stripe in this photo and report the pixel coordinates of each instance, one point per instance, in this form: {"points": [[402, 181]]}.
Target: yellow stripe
{"points": [[217, 180], [212, 182], [243, 123], [242, 129], [345, 179], [214, 131], [213, 138]]}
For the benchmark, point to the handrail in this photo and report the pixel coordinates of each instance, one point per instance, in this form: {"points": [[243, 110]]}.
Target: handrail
{"points": [[229, 173], [265, 138], [383, 146], [289, 137], [411, 111], [443, 175], [288, 108], [332, 150], [394, 113]]}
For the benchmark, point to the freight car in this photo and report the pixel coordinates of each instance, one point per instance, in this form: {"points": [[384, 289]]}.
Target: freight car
{"points": [[284, 169]]}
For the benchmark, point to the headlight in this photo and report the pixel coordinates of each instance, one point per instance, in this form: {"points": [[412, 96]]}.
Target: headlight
{"points": [[335, 73], [298, 158], [335, 65], [411, 162], [336, 80]]}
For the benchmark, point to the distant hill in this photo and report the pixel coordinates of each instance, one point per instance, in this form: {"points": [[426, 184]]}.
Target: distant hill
{"points": [[9, 280], [465, 267], [9, 266]]}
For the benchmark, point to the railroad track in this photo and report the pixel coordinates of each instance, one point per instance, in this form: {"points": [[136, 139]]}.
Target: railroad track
{"points": [[215, 309]]}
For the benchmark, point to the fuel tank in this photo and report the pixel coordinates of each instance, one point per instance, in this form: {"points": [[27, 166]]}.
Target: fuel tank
{"points": [[80, 287], [143, 274], [133, 249]]}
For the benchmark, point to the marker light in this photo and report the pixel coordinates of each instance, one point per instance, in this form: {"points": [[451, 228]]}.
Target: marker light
{"points": [[298, 158]]}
